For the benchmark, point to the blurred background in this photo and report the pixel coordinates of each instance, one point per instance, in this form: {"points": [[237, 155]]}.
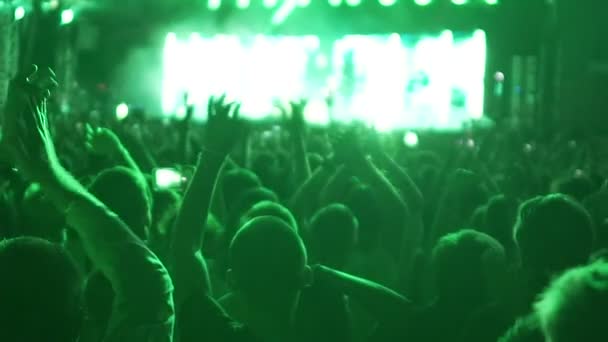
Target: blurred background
{"points": [[394, 64]]}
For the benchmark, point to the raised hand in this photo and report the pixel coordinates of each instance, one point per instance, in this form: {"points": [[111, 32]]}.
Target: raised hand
{"points": [[26, 128], [27, 89], [296, 123], [224, 127], [102, 141]]}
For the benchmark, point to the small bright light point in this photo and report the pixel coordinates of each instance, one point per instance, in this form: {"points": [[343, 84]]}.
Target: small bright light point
{"points": [[459, 2], [353, 2], [492, 2], [49, 5], [335, 3], [270, 3], [67, 16], [410, 139], [19, 13], [243, 3], [122, 111], [214, 4], [387, 2], [425, 2], [499, 76]]}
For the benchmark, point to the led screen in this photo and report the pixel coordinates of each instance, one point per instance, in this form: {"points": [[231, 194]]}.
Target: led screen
{"points": [[389, 81]]}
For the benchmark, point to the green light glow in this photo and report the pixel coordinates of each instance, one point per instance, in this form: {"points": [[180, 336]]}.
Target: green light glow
{"points": [[270, 3], [122, 111], [492, 2], [214, 4], [414, 81], [243, 3], [459, 2], [423, 2], [335, 3], [353, 2], [67, 16], [19, 13], [387, 2]]}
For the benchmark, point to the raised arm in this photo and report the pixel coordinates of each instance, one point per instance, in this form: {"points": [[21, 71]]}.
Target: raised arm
{"points": [[103, 142], [379, 301], [143, 290], [297, 131], [187, 265]]}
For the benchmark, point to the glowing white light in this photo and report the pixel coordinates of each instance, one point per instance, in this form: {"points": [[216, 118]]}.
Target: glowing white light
{"points": [[19, 13], [122, 111], [387, 2], [214, 4], [243, 3], [67, 16], [167, 178], [410, 139]]}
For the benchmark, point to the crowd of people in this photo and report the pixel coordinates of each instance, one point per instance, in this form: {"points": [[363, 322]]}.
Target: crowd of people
{"points": [[292, 232]]}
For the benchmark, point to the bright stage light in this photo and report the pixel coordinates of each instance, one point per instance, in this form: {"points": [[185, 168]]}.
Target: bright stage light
{"points": [[422, 2], [410, 139], [122, 111], [67, 16], [387, 2], [270, 3], [19, 13], [492, 2], [353, 2], [243, 3], [335, 3], [459, 2], [214, 4]]}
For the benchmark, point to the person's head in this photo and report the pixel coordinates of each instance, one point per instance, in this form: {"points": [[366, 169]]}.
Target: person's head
{"points": [[270, 208], [235, 182], [268, 265], [246, 201], [500, 217], [40, 292], [468, 267], [553, 233], [573, 307], [127, 195], [333, 235]]}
